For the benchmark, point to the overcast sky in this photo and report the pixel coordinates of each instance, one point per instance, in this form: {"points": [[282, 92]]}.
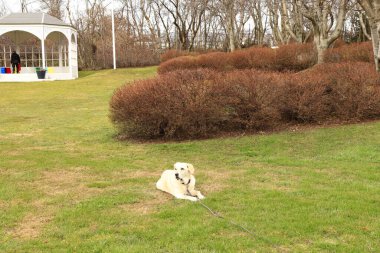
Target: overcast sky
{"points": [[13, 6]]}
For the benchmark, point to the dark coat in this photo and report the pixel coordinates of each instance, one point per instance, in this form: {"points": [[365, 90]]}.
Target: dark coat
{"points": [[15, 58]]}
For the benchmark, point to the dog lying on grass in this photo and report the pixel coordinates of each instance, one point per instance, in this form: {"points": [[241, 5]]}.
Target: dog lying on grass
{"points": [[180, 182]]}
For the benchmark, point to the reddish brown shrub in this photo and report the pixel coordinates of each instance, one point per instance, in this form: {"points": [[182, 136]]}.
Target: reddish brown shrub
{"points": [[332, 92], [361, 52], [259, 58], [218, 61], [339, 43], [183, 62], [249, 101], [295, 57], [287, 58], [173, 53], [191, 104], [200, 103], [177, 105], [292, 57]]}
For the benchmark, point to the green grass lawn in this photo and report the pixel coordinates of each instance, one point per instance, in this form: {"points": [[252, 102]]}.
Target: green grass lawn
{"points": [[67, 185]]}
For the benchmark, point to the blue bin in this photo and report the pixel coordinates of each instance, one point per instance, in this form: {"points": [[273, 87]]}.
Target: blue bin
{"points": [[2, 70]]}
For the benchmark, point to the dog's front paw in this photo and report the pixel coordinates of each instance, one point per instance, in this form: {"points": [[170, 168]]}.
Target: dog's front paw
{"points": [[193, 199], [200, 196]]}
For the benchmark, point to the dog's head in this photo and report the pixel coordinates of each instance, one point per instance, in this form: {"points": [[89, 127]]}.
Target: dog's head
{"points": [[183, 170]]}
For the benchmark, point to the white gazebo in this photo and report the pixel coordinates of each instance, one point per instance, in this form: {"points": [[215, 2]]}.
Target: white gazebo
{"points": [[42, 41]]}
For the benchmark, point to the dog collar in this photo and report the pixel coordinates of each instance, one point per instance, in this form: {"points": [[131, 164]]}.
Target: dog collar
{"points": [[187, 182], [182, 182]]}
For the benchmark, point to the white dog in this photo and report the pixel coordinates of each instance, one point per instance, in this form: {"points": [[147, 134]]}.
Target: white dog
{"points": [[180, 182]]}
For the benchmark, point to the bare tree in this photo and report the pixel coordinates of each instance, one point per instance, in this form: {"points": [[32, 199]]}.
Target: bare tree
{"points": [[242, 16], [3, 8], [372, 10], [89, 28], [187, 18], [151, 17], [257, 13], [53, 7], [277, 25], [24, 4], [227, 13], [293, 21], [363, 24], [164, 20], [327, 19]]}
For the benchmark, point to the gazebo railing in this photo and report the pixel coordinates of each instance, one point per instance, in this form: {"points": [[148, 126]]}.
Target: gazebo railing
{"points": [[31, 56]]}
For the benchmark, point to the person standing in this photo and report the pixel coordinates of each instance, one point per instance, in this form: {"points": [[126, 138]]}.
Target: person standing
{"points": [[15, 60]]}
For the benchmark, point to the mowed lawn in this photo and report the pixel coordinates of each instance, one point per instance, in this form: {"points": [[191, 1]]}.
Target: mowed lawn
{"points": [[68, 185]]}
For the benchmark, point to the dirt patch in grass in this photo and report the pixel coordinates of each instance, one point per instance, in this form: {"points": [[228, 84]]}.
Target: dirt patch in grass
{"points": [[69, 184], [215, 180], [9, 204], [21, 134], [271, 180], [31, 225], [153, 198], [233, 233], [72, 182], [149, 205], [12, 153], [3, 204], [137, 173]]}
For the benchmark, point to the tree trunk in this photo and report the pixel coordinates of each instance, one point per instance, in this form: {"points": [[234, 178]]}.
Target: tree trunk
{"points": [[319, 15], [375, 43], [231, 25], [372, 10], [321, 46], [231, 36]]}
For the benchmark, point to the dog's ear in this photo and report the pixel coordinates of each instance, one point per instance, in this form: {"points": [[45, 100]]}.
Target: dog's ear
{"points": [[190, 167]]}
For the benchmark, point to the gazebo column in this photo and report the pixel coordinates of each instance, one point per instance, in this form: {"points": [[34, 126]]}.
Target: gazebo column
{"points": [[70, 56], [60, 48], [43, 53]]}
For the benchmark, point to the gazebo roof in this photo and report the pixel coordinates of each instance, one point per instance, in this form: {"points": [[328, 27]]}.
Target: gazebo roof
{"points": [[31, 19]]}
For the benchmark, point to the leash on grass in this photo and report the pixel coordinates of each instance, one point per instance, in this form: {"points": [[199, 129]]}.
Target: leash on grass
{"points": [[264, 239], [221, 217]]}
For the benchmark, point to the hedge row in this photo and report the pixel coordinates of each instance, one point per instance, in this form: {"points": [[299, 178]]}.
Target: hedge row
{"points": [[289, 57], [355, 52], [293, 57], [201, 103], [173, 53]]}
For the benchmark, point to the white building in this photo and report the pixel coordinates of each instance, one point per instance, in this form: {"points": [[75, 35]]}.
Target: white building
{"points": [[42, 41]]}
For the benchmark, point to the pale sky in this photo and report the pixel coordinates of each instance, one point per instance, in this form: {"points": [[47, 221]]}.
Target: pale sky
{"points": [[13, 6]]}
